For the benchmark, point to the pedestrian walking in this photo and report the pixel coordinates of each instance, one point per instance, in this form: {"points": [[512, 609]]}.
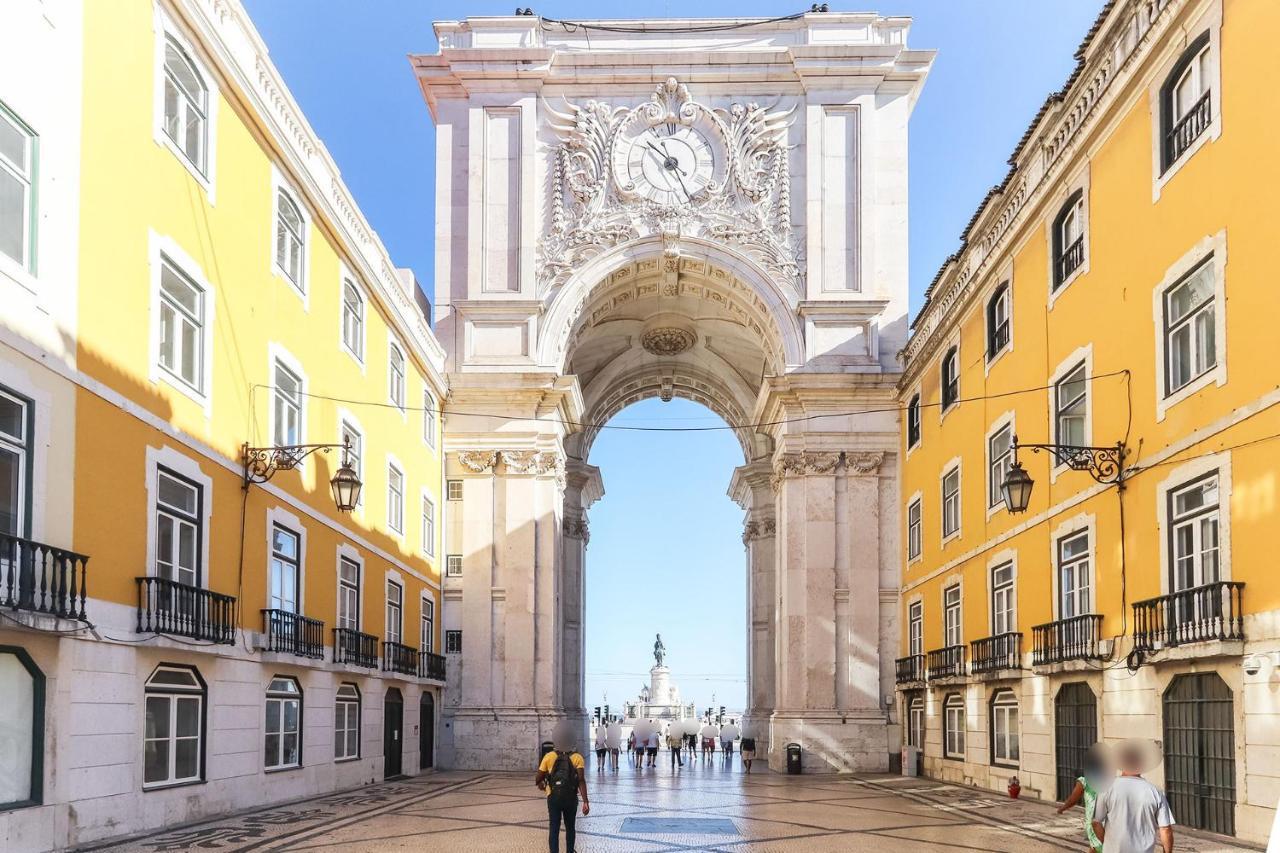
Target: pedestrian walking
{"points": [[674, 739], [601, 747], [728, 735], [651, 748], [613, 739], [708, 734], [748, 751], [1089, 785], [1132, 815], [562, 775]]}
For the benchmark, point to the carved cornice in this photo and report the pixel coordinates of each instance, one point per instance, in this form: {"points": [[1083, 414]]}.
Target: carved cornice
{"points": [[814, 463], [765, 528], [864, 461], [536, 462]]}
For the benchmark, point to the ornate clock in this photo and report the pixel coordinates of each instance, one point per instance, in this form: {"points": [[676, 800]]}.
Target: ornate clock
{"points": [[668, 164]]}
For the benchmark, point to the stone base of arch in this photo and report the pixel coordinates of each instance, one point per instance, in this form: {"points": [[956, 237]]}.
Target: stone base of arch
{"points": [[500, 738], [833, 741]]}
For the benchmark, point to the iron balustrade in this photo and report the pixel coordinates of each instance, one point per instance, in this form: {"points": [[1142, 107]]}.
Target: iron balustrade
{"points": [[1200, 614], [400, 658], [1187, 130], [431, 665], [1070, 260], [293, 634], [1076, 638], [909, 669], [351, 646], [41, 578], [991, 654], [946, 662], [169, 607]]}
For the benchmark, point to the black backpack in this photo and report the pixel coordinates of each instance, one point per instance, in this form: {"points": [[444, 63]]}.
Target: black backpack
{"points": [[563, 781]]}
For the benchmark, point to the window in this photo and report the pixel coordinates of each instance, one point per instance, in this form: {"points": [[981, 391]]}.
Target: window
{"points": [[18, 154], [22, 710], [1068, 239], [355, 455], [287, 406], [428, 419], [999, 461], [186, 104], [913, 421], [1003, 619], [1073, 575], [282, 747], [914, 538], [452, 642], [348, 594], [454, 490], [1004, 728], [998, 321], [15, 463], [181, 326], [1185, 109], [453, 566], [915, 722], [352, 319], [951, 503], [178, 528], [1193, 529], [395, 611], [428, 639], [915, 628], [1189, 328], [172, 747], [285, 569], [346, 723], [951, 633], [1070, 402], [428, 526], [953, 726], [395, 498], [290, 239], [395, 376], [950, 378]]}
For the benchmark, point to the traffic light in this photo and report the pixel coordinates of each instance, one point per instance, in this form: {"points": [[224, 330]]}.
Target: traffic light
{"points": [[606, 714], [721, 714], [597, 715]]}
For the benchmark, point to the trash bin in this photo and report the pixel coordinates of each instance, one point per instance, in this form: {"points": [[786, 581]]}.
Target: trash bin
{"points": [[793, 759], [547, 746], [910, 761]]}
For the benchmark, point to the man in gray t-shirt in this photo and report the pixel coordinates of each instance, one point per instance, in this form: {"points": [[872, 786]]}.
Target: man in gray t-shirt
{"points": [[1133, 814]]}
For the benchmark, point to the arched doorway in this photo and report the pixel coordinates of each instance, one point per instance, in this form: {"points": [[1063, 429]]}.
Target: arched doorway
{"points": [[1200, 752], [392, 733], [1075, 725], [426, 731]]}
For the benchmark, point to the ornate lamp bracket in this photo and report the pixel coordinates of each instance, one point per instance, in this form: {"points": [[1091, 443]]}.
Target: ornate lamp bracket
{"points": [[262, 463], [1104, 464]]}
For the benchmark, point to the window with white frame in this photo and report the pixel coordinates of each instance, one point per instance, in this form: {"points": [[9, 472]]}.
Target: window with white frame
{"points": [[953, 726], [291, 239], [452, 642], [915, 628], [428, 419], [1068, 239], [951, 502], [1185, 109], [15, 463], [1070, 407], [915, 538], [428, 526], [915, 721], [346, 723], [352, 319], [286, 406], [354, 440], [1194, 517], [179, 528], [453, 566], [395, 612], [286, 569], [428, 633], [182, 326], [395, 375], [999, 461], [951, 633], [1189, 328], [173, 728], [348, 594], [453, 490], [1003, 620], [395, 498], [998, 321], [186, 104], [913, 421], [1074, 576], [1004, 729], [282, 746], [18, 210], [950, 378]]}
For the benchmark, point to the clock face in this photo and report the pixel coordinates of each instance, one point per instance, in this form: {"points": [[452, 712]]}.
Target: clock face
{"points": [[670, 164]]}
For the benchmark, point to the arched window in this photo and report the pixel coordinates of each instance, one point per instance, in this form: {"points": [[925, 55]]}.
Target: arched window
{"points": [[913, 421], [1005, 750], [1185, 107], [290, 238], [352, 319], [283, 743], [22, 710], [953, 726], [999, 321], [1068, 239], [950, 378], [173, 737], [395, 375], [346, 723], [186, 104]]}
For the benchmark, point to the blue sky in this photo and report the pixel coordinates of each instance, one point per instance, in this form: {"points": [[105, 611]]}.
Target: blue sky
{"points": [[665, 512]]}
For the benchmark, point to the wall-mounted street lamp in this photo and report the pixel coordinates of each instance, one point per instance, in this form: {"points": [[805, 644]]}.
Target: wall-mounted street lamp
{"points": [[261, 464], [1104, 464]]}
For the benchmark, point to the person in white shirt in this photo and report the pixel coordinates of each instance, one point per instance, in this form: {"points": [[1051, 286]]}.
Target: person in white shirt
{"points": [[728, 735], [601, 748], [613, 739], [710, 732], [655, 738]]}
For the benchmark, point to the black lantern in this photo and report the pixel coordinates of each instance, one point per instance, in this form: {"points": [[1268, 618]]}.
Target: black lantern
{"points": [[346, 487], [1016, 488], [1103, 464], [262, 463]]}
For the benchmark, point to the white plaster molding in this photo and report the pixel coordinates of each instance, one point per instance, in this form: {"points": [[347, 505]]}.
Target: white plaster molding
{"points": [[281, 184], [995, 560], [1211, 248], [1085, 522], [345, 549]]}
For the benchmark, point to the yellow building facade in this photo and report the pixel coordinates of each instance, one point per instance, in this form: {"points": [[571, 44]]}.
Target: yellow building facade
{"points": [[200, 643], [1112, 291]]}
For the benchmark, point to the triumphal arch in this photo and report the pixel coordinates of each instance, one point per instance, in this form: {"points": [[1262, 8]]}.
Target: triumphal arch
{"points": [[709, 209]]}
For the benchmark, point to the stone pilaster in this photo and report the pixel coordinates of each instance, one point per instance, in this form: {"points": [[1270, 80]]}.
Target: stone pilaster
{"points": [[751, 489]]}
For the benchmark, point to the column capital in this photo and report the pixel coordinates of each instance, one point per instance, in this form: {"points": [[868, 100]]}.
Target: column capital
{"points": [[575, 524], [478, 461], [763, 528]]}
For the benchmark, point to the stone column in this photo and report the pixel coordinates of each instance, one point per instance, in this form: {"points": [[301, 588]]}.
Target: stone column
{"points": [[583, 487], [751, 489]]}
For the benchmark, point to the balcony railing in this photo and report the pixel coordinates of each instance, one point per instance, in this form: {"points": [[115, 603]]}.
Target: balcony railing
{"points": [[169, 607], [1200, 614], [1187, 130], [946, 662], [399, 658], [1076, 638], [909, 669], [293, 634], [431, 665], [351, 646], [41, 578], [1070, 259], [992, 654]]}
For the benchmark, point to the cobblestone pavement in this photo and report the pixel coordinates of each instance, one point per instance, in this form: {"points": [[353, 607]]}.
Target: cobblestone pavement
{"points": [[760, 813]]}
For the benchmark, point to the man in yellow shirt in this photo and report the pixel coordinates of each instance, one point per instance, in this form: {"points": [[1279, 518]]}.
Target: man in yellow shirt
{"points": [[562, 775]]}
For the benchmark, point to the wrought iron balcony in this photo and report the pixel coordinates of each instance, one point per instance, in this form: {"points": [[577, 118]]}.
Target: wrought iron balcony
{"points": [[1187, 130], [169, 607], [41, 578], [992, 654], [293, 634], [1200, 614], [1069, 261], [431, 665], [946, 662], [909, 669], [351, 646], [399, 658], [1076, 638]]}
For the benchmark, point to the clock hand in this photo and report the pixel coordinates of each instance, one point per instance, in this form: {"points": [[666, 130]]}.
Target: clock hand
{"points": [[688, 195], [675, 164]]}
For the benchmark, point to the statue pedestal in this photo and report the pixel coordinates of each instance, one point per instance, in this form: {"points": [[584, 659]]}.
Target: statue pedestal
{"points": [[660, 685]]}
